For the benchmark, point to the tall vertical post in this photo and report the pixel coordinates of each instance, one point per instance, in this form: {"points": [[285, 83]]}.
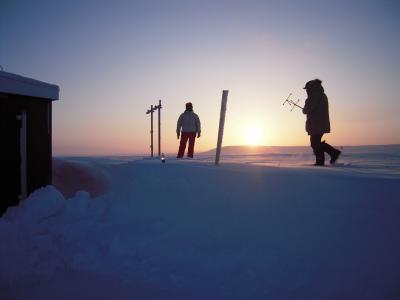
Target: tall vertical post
{"points": [[221, 125], [150, 111], [159, 128], [151, 131]]}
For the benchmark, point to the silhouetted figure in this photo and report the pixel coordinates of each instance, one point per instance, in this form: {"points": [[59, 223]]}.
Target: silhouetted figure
{"points": [[317, 110], [189, 122]]}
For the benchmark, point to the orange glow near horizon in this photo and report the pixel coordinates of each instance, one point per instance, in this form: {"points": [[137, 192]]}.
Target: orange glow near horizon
{"points": [[132, 136]]}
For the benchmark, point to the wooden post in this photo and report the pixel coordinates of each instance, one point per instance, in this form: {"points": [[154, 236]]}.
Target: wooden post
{"points": [[150, 111], [159, 128], [151, 131], [221, 125]]}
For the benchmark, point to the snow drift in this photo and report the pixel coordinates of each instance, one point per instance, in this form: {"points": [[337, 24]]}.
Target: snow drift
{"points": [[71, 176]]}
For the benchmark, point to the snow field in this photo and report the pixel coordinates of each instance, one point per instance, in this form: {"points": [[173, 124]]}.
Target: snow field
{"points": [[189, 230]]}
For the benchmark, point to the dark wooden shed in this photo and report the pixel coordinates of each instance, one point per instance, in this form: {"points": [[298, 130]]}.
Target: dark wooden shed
{"points": [[25, 135]]}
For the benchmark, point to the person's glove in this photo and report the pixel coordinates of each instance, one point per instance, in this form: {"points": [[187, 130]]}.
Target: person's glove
{"points": [[198, 134], [177, 135]]}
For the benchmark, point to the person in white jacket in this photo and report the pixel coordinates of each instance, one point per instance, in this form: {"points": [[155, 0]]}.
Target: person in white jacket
{"points": [[187, 127]]}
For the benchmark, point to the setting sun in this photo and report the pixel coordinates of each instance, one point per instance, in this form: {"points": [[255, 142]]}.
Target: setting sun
{"points": [[253, 135]]}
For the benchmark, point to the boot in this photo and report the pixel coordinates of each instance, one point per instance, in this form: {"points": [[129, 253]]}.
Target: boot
{"points": [[320, 160], [333, 153]]}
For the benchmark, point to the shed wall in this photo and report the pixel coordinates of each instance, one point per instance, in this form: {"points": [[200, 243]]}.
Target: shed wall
{"points": [[38, 145]]}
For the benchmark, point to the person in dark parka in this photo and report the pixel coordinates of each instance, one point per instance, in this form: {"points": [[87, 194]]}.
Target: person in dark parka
{"points": [[317, 110]]}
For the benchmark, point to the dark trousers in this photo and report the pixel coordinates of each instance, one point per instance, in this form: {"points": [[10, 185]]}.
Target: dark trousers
{"points": [[319, 148], [185, 136]]}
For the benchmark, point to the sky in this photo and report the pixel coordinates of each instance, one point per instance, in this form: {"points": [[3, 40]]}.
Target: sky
{"points": [[113, 59]]}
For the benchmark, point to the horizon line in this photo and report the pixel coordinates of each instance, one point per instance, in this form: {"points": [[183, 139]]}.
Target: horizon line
{"points": [[205, 151]]}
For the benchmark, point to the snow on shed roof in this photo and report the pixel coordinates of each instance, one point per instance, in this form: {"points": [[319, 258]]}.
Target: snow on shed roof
{"points": [[19, 85]]}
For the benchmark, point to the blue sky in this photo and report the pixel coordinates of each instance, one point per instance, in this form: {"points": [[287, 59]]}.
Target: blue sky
{"points": [[112, 60]]}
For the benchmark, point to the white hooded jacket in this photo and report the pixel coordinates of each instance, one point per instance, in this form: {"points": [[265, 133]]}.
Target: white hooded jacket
{"points": [[189, 122]]}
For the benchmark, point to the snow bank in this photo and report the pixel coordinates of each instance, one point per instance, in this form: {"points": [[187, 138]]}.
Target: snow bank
{"points": [[72, 176], [30, 234], [189, 230], [41, 204]]}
